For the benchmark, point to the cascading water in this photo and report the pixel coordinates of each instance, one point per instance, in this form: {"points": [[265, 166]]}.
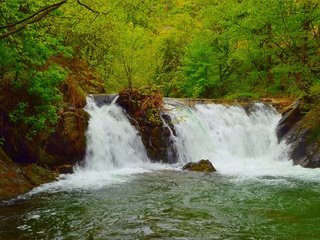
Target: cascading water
{"points": [[235, 141], [256, 194], [112, 142], [114, 152], [238, 142]]}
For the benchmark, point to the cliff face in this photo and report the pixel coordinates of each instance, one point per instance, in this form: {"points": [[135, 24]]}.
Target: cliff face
{"points": [[300, 127]]}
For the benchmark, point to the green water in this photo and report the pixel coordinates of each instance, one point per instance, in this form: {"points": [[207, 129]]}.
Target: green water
{"points": [[171, 205]]}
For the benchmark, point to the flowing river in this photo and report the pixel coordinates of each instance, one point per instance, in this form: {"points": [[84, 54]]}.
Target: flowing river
{"points": [[119, 194]]}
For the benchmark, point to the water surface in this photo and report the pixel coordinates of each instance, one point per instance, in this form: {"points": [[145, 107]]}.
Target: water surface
{"points": [[170, 204]]}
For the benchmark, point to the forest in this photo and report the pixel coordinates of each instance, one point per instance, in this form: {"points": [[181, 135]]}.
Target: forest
{"points": [[183, 48], [232, 153]]}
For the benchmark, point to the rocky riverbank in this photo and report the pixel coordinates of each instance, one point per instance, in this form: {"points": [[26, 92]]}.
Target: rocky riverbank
{"points": [[27, 162], [16, 179]]}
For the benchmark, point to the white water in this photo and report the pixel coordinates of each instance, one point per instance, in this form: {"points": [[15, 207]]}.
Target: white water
{"points": [[115, 152], [238, 144], [112, 142]]}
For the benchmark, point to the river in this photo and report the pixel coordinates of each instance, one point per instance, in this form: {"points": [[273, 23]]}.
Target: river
{"points": [[119, 194]]}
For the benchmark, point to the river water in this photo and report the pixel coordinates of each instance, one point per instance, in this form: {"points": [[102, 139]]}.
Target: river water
{"points": [[118, 194]]}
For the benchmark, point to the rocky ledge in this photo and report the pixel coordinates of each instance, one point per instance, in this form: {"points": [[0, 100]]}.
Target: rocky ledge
{"points": [[300, 127], [17, 179]]}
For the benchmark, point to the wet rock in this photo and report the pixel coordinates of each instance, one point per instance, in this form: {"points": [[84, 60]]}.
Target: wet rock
{"points": [[18, 148], [299, 127], [64, 169], [16, 179], [103, 99], [67, 145], [251, 107], [290, 117], [12, 181], [38, 175], [201, 166], [145, 112]]}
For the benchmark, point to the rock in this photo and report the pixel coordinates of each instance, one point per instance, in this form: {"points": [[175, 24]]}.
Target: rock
{"points": [[12, 181], [16, 179], [65, 169], [299, 127], [290, 117], [67, 145], [251, 107], [103, 99], [38, 175], [201, 166], [145, 112], [19, 149]]}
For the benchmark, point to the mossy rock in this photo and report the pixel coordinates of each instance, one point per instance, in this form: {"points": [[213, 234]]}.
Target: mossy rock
{"points": [[299, 127], [39, 175], [145, 111], [201, 166], [16, 179], [67, 145]]}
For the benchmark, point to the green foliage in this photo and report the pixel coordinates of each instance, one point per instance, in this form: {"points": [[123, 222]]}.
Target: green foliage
{"points": [[185, 48], [243, 95], [200, 48], [43, 85], [25, 64], [40, 113], [196, 68], [2, 140]]}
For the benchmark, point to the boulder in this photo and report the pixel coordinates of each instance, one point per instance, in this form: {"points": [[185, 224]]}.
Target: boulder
{"points": [[17, 147], [299, 127], [290, 117], [65, 169], [201, 166], [67, 145], [16, 179], [145, 112]]}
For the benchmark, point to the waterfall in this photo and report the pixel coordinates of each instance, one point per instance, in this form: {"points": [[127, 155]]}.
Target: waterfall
{"points": [[236, 141], [239, 142], [112, 142]]}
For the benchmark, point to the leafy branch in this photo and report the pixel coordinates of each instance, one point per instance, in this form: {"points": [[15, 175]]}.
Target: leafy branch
{"points": [[37, 16]]}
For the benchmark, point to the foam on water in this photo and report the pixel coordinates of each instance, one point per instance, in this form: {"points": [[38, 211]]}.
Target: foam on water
{"points": [[237, 142], [115, 152]]}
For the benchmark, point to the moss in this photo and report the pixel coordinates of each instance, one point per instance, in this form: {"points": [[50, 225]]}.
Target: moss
{"points": [[46, 159], [146, 110], [4, 157], [39, 175], [201, 166], [311, 121]]}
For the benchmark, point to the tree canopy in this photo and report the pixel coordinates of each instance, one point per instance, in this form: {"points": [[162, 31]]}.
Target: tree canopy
{"points": [[183, 48]]}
